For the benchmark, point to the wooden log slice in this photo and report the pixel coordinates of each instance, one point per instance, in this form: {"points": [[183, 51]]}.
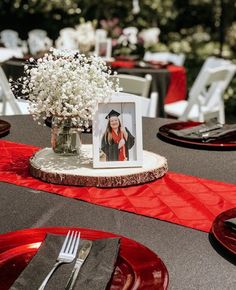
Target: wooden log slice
{"points": [[71, 170]]}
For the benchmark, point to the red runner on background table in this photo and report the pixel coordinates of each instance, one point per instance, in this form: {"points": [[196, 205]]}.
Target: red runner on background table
{"points": [[123, 63], [178, 84], [181, 199]]}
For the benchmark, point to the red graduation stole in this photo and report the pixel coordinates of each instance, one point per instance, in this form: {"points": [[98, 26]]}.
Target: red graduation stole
{"points": [[116, 138]]}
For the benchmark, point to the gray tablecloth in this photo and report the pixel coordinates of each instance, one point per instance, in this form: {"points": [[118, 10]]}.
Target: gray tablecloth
{"points": [[191, 260]]}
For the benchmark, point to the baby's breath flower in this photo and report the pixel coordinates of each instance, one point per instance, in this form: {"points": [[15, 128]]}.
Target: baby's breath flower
{"points": [[67, 84]]}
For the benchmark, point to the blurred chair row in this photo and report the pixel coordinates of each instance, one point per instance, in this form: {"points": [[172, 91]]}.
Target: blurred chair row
{"points": [[38, 41], [70, 38]]}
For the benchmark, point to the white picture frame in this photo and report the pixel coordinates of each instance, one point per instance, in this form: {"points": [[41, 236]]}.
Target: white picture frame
{"points": [[103, 48], [129, 108]]}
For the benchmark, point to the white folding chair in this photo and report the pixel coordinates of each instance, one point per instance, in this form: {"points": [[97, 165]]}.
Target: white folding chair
{"points": [[134, 84], [205, 97], [38, 41], [13, 45], [177, 59], [9, 104], [10, 38], [67, 39]]}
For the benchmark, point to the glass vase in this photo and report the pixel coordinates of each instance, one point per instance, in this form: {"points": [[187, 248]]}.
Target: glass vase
{"points": [[65, 137]]}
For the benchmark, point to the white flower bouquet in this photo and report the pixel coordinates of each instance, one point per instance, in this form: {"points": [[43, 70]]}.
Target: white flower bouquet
{"points": [[66, 84]]}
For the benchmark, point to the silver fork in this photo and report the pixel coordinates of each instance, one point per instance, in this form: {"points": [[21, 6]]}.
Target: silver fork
{"points": [[67, 254]]}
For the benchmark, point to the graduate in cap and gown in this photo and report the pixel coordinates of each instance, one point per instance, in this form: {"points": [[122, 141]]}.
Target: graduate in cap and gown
{"points": [[117, 140]]}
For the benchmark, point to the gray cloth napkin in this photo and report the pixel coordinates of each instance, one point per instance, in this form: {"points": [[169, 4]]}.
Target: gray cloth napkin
{"points": [[95, 273], [207, 132], [231, 223]]}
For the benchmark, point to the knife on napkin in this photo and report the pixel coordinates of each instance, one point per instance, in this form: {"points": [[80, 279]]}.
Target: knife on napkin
{"points": [[83, 254]]}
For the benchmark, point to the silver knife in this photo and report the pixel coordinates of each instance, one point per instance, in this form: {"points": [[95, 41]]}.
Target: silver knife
{"points": [[83, 254]]}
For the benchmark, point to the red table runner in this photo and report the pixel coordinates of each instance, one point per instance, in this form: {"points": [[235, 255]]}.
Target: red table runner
{"points": [[178, 84], [181, 199]]}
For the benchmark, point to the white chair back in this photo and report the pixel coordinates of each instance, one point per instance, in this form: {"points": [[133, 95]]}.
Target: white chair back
{"points": [[134, 84], [208, 91], [39, 33], [210, 62], [10, 105], [177, 59], [67, 39], [10, 38], [38, 41], [149, 105]]}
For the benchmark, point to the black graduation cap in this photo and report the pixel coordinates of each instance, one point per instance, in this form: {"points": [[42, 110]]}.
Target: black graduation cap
{"points": [[112, 113]]}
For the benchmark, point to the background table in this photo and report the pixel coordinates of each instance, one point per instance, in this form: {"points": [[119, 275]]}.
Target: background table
{"points": [[191, 260]]}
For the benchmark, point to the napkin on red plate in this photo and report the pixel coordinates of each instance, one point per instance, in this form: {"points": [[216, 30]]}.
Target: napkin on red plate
{"points": [[207, 132], [95, 273]]}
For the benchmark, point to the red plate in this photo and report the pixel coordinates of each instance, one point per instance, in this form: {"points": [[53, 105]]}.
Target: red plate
{"points": [[4, 128], [137, 267], [223, 233], [226, 143]]}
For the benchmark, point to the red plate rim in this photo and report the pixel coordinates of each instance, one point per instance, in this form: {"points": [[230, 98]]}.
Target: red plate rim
{"points": [[141, 259], [224, 234]]}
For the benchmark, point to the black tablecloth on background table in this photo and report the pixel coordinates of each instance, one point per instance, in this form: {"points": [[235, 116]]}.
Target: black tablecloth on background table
{"points": [[191, 260], [13, 68]]}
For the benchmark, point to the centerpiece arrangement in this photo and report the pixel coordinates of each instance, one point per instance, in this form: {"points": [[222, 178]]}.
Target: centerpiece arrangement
{"points": [[66, 86], [69, 88]]}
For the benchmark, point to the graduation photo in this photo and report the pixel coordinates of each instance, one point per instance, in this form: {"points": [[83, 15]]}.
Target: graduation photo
{"points": [[117, 135]]}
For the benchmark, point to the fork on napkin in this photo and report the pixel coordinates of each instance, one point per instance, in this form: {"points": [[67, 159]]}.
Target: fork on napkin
{"points": [[94, 275]]}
